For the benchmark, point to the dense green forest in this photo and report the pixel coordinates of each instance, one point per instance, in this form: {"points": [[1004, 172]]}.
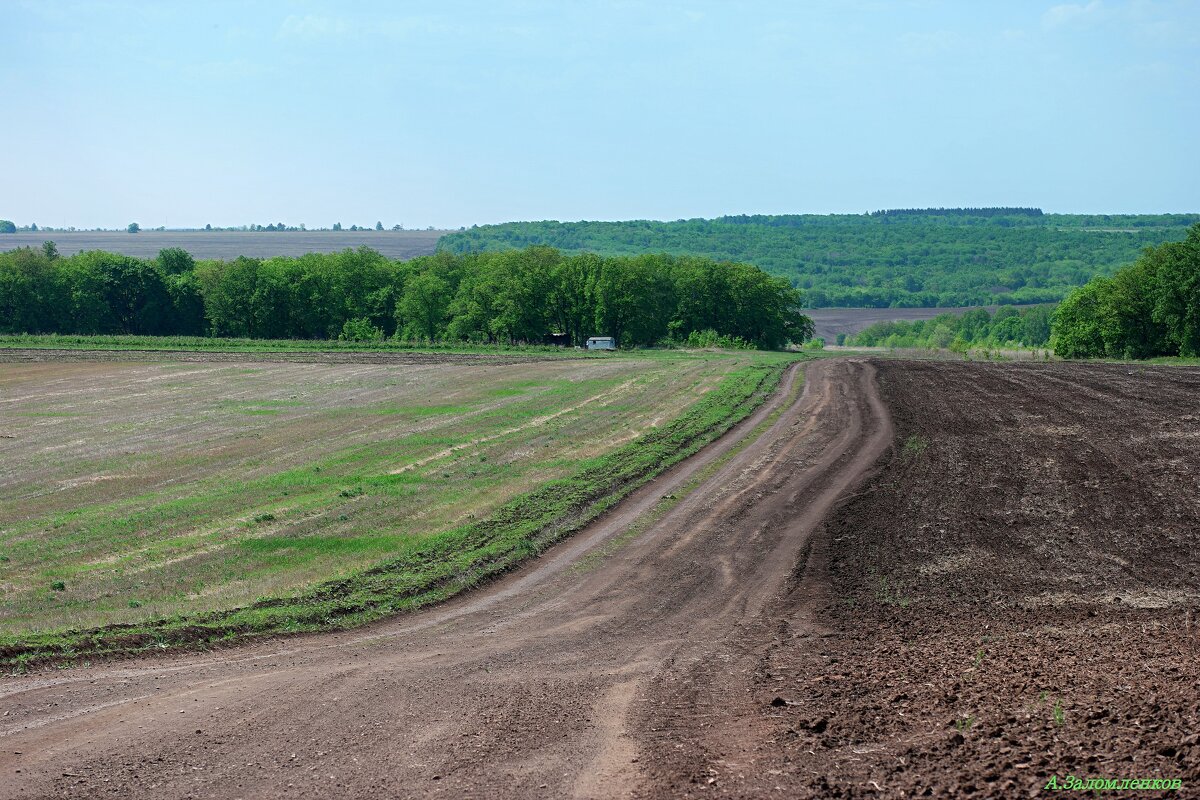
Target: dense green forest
{"points": [[1028, 326], [898, 258], [1149, 308], [516, 296]]}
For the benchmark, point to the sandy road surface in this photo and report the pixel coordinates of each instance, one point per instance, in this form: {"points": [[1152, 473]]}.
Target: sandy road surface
{"points": [[536, 686]]}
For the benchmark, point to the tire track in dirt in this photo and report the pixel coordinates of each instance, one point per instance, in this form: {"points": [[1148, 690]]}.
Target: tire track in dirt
{"points": [[548, 683]]}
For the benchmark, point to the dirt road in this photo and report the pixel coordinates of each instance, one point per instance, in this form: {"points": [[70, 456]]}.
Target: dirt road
{"points": [[544, 684]]}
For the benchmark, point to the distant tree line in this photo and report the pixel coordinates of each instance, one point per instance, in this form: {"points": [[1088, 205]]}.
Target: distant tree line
{"points": [[909, 258], [977, 328], [959, 212], [516, 296], [1149, 308]]}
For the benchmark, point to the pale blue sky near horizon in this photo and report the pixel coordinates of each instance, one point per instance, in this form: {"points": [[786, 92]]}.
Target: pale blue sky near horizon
{"points": [[458, 113]]}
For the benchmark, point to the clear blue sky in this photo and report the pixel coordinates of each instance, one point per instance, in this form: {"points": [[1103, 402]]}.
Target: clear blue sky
{"points": [[454, 113]]}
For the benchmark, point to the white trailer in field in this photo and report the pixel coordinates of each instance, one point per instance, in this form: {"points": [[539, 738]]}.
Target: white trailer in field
{"points": [[601, 343]]}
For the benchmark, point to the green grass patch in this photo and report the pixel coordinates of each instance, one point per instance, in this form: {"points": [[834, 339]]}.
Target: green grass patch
{"points": [[914, 446]]}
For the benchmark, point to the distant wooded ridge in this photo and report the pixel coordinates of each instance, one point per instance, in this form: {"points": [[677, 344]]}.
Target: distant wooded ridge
{"points": [[999, 211], [908, 258]]}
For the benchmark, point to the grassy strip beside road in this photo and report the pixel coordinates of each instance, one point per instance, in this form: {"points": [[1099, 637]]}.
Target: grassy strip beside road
{"points": [[438, 566]]}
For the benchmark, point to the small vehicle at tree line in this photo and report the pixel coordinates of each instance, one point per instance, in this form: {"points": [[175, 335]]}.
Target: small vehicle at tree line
{"points": [[601, 343]]}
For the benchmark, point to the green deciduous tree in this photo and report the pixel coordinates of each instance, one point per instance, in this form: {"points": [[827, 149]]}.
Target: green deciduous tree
{"points": [[34, 297], [1085, 321], [175, 261], [1176, 268], [1036, 331], [630, 295], [228, 291], [421, 311]]}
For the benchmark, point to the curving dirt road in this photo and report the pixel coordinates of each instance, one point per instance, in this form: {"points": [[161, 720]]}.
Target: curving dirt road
{"points": [[549, 683]]}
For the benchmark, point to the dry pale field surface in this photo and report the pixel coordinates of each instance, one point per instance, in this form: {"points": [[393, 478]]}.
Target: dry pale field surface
{"points": [[911, 579], [231, 244]]}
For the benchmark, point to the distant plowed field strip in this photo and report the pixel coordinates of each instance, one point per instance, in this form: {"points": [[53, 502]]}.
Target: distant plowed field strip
{"points": [[186, 483], [829, 322], [231, 244]]}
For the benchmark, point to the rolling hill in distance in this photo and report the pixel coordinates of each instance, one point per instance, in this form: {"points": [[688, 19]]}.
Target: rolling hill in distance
{"points": [[910, 258]]}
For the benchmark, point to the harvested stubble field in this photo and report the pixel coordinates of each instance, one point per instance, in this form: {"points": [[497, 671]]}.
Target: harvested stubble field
{"points": [[132, 489]]}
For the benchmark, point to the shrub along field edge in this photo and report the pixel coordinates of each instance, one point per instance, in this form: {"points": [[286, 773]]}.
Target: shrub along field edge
{"points": [[439, 566]]}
